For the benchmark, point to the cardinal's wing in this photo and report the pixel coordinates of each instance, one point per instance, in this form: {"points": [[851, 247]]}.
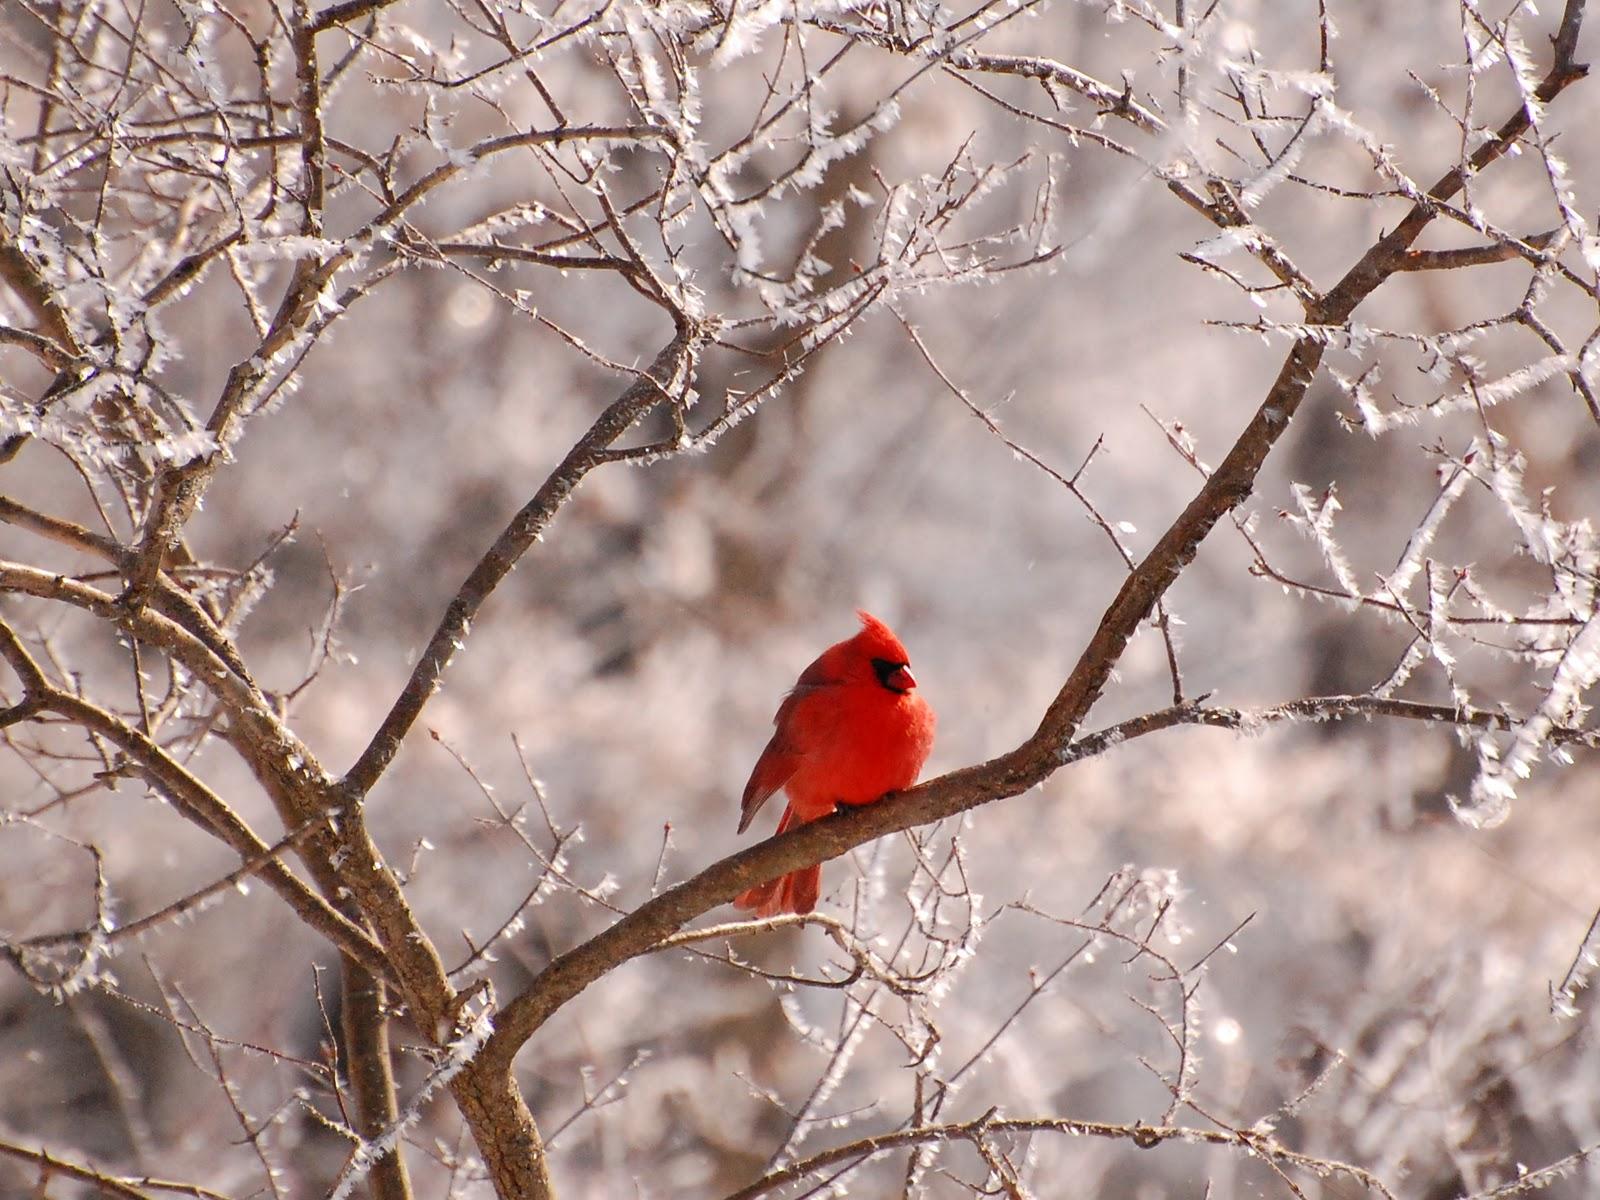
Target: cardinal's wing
{"points": [[784, 753]]}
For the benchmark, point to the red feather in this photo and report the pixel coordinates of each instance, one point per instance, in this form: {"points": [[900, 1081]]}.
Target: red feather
{"points": [[851, 730]]}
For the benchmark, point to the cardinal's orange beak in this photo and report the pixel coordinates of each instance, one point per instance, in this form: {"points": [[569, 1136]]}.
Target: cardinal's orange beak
{"points": [[901, 680]]}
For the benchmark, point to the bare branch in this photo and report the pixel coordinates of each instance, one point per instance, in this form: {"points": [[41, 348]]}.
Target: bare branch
{"points": [[1144, 1136], [196, 802], [642, 930], [664, 382]]}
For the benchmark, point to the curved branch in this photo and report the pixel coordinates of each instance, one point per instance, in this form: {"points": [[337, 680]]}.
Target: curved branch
{"points": [[19, 271], [255, 725], [659, 919], [46, 349], [195, 801], [108, 1185], [170, 600], [1146, 1137]]}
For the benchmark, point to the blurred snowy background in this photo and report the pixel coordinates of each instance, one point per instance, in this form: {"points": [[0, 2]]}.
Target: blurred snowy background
{"points": [[1394, 955]]}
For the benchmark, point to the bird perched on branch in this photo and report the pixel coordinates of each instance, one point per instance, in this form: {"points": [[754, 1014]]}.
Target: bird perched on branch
{"points": [[852, 729]]}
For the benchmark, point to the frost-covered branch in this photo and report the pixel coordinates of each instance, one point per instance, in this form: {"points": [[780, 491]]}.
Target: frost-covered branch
{"points": [[1244, 1141]]}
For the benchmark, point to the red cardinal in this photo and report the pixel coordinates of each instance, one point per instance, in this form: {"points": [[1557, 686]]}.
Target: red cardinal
{"points": [[852, 729]]}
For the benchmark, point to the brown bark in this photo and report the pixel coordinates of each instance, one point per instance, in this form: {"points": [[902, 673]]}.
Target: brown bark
{"points": [[365, 1020]]}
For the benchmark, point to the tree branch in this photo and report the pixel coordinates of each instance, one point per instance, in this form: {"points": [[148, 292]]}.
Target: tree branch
{"points": [[124, 1187], [20, 272], [1473, 256], [347, 11], [666, 378], [658, 919], [1144, 1136], [192, 799]]}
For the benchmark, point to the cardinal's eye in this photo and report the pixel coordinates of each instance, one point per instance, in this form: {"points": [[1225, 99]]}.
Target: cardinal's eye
{"points": [[893, 675]]}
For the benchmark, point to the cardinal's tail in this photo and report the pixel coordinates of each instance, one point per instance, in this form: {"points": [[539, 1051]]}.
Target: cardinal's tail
{"points": [[795, 892]]}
